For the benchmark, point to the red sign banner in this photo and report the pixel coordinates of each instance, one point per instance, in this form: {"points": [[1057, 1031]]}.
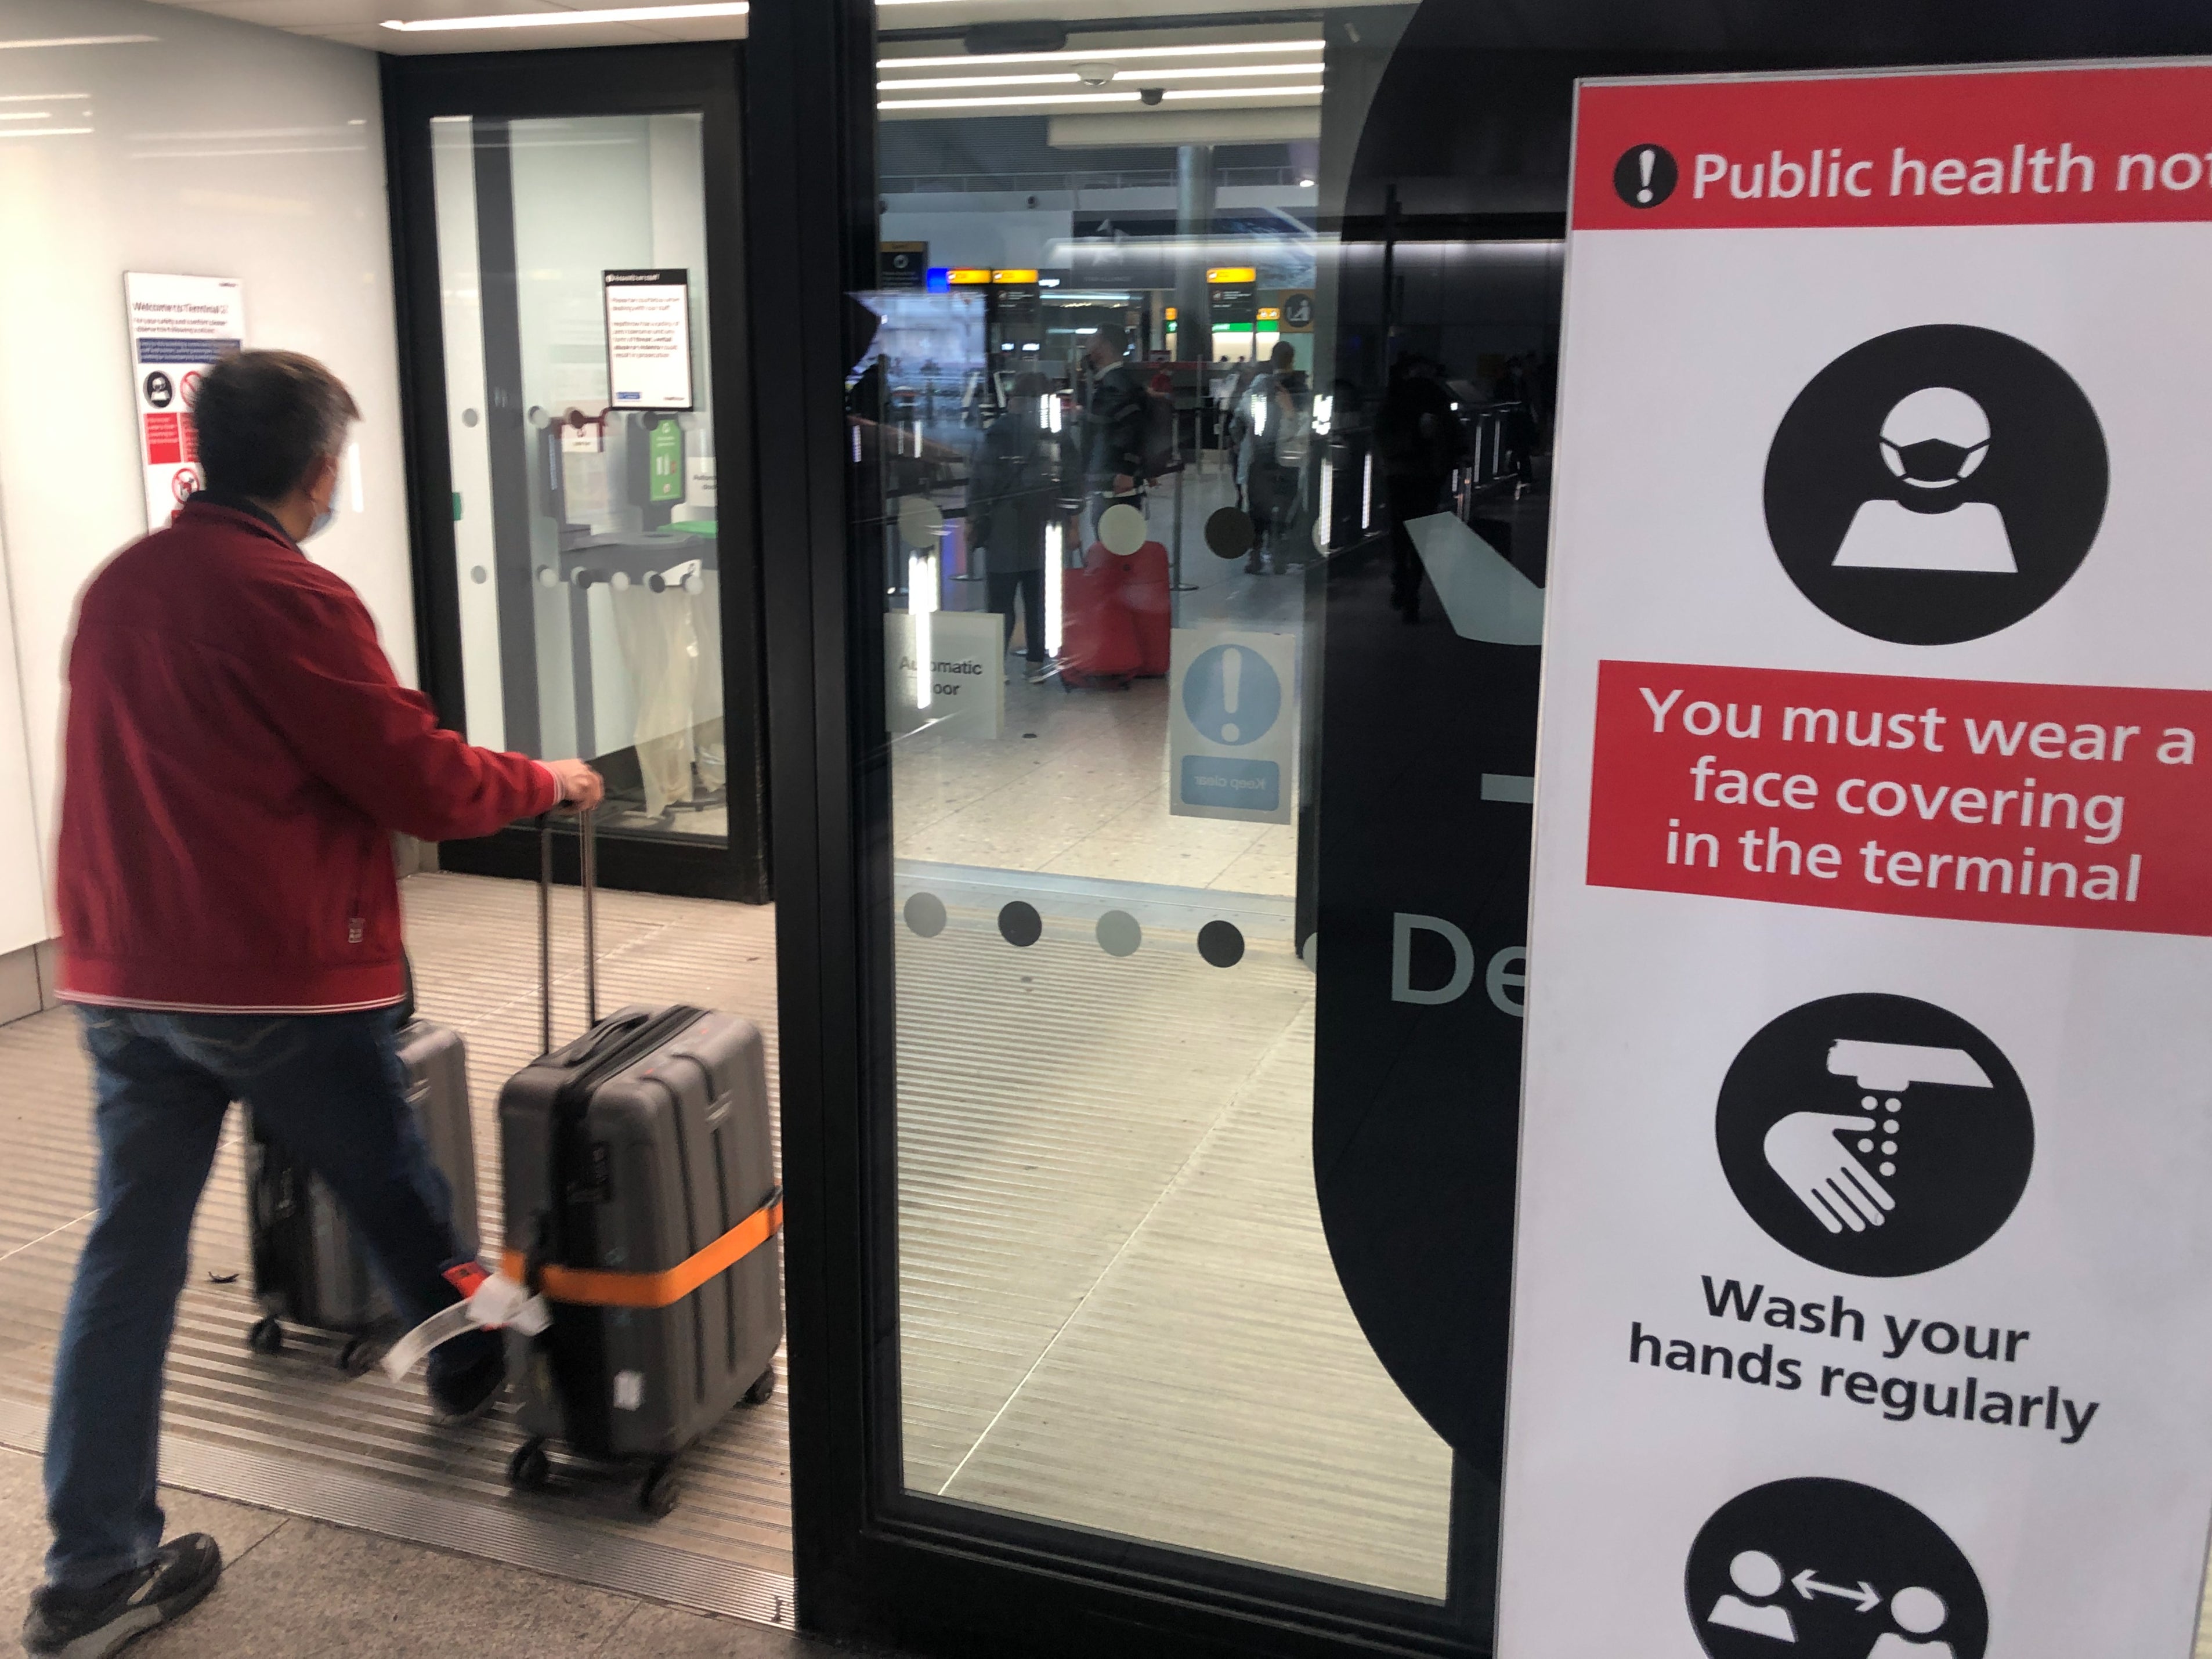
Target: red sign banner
{"points": [[2059, 805], [2044, 146]]}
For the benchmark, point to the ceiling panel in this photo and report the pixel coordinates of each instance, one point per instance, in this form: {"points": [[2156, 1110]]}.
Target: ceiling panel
{"points": [[359, 23]]}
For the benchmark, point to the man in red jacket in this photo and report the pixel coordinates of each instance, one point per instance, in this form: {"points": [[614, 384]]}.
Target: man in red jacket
{"points": [[238, 752]]}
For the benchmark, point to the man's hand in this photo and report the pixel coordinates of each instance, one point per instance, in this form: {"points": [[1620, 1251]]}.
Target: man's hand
{"points": [[581, 788], [1123, 483]]}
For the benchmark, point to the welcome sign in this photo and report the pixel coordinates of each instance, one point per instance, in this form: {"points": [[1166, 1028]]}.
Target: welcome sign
{"points": [[1863, 1269]]}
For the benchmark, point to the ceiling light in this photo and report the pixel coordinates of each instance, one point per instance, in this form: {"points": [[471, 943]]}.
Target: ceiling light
{"points": [[42, 97], [1219, 69], [82, 41], [26, 115], [43, 133], [526, 19], [1245, 92], [1305, 183], [1224, 50], [1031, 98], [981, 81]]}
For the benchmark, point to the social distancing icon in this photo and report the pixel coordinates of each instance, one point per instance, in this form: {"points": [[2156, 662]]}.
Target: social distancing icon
{"points": [[1875, 1134], [1832, 1570]]}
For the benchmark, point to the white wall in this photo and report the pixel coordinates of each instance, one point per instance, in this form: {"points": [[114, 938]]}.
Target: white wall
{"points": [[214, 148]]}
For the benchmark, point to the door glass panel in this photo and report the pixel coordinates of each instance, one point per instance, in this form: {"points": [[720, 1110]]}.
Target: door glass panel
{"points": [[584, 482], [1110, 455]]}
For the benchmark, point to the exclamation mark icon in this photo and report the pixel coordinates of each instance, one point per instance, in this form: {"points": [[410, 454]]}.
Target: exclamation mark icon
{"points": [[1646, 158], [1232, 670]]}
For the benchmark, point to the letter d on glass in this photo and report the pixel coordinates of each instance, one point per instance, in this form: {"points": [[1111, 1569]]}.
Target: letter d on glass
{"points": [[1402, 988]]}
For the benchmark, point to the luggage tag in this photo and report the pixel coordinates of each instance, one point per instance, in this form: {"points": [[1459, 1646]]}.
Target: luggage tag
{"points": [[496, 1303]]}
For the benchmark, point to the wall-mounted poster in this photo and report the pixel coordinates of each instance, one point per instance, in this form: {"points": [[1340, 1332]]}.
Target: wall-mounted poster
{"points": [[649, 338], [179, 325]]}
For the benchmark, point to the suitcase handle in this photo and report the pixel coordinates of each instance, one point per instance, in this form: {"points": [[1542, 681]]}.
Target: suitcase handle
{"points": [[588, 860]]}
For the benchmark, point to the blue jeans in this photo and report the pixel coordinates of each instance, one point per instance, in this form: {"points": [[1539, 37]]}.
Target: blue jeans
{"points": [[330, 1089]]}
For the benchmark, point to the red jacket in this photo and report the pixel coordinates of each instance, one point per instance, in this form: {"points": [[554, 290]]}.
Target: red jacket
{"points": [[237, 751]]}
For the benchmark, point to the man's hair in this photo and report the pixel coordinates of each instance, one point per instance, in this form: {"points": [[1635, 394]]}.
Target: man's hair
{"points": [[264, 418], [1114, 336], [1284, 355], [1030, 384]]}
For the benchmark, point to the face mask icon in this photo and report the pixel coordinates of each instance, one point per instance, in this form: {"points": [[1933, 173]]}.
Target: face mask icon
{"points": [[1932, 442], [1805, 1150], [1934, 484]]}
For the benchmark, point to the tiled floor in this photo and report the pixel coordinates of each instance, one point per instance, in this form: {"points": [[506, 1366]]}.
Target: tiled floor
{"points": [[298, 1589]]}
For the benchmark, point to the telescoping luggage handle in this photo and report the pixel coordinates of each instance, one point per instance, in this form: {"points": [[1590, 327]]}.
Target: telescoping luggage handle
{"points": [[587, 859]]}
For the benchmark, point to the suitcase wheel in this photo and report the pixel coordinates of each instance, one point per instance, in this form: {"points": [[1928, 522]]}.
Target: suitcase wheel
{"points": [[530, 1469], [267, 1336], [658, 1492], [763, 1388]]}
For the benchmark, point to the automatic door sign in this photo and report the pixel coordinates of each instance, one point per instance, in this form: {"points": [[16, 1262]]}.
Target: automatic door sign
{"points": [[1875, 1134], [1936, 484], [1832, 1570]]}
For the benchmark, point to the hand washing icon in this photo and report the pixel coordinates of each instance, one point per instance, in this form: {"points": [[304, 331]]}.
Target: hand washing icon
{"points": [[1875, 1134], [1804, 1149]]}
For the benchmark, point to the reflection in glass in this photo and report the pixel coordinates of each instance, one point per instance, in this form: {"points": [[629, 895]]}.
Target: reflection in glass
{"points": [[1105, 475], [584, 481]]}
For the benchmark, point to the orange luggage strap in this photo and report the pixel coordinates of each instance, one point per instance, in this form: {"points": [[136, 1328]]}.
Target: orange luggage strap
{"points": [[592, 1287]]}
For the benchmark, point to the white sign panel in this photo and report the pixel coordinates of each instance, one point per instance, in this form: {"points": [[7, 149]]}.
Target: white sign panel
{"points": [[179, 325], [1862, 1302], [649, 338], [965, 689], [1232, 724]]}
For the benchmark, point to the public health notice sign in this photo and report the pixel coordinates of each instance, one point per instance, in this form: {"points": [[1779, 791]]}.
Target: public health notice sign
{"points": [[1864, 1277], [648, 320], [178, 326]]}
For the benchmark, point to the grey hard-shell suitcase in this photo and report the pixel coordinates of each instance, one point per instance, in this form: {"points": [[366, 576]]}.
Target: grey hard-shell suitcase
{"points": [[309, 1267], [642, 1201]]}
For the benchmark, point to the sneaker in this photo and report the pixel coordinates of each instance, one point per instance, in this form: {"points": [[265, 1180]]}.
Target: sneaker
{"points": [[1040, 672], [90, 1624], [472, 1387]]}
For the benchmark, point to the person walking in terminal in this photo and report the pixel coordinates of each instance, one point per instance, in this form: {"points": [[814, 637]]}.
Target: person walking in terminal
{"points": [[1114, 421], [1021, 474], [1418, 434], [237, 751], [1279, 435]]}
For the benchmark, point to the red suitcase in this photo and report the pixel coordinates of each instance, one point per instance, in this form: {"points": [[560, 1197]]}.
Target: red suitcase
{"points": [[1098, 637], [1152, 608]]}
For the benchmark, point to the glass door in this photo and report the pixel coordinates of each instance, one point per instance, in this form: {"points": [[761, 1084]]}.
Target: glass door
{"points": [[583, 579], [1137, 1275]]}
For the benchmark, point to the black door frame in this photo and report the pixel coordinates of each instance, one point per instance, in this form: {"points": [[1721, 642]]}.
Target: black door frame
{"points": [[706, 78]]}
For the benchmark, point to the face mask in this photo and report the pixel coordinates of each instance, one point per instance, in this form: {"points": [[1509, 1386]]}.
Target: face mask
{"points": [[1932, 463], [323, 517]]}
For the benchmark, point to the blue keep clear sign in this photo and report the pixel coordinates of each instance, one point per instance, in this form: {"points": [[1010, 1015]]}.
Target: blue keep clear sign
{"points": [[1232, 724]]}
